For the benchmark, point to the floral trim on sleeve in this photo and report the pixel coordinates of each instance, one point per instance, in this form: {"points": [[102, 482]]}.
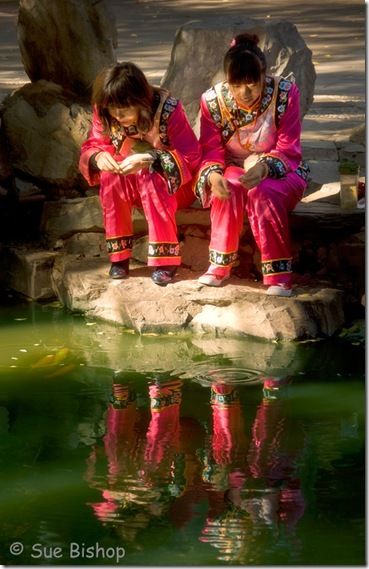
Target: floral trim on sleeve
{"points": [[276, 167], [169, 106], [284, 87], [202, 189], [167, 163], [303, 170], [212, 103]]}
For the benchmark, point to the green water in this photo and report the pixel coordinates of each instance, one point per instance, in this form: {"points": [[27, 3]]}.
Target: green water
{"points": [[118, 449]]}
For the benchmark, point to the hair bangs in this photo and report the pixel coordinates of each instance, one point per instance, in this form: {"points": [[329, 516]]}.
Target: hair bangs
{"points": [[118, 95], [244, 69]]}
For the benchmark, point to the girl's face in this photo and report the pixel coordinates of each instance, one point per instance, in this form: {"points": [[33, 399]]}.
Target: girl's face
{"points": [[126, 116], [246, 94]]}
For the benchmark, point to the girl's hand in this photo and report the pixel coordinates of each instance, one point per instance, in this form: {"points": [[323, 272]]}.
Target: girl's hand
{"points": [[135, 162], [106, 163], [219, 186], [254, 175]]}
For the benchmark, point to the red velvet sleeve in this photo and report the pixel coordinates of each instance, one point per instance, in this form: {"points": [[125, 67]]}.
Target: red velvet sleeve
{"points": [[96, 142]]}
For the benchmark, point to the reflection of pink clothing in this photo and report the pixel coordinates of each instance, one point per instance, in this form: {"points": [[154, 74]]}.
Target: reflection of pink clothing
{"points": [[229, 135], [275, 501], [163, 432], [121, 437], [273, 457], [153, 190], [228, 439]]}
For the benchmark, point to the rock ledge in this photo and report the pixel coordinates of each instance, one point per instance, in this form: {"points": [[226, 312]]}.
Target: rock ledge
{"points": [[239, 308]]}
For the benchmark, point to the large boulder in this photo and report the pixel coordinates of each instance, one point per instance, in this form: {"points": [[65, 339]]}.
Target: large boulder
{"points": [[199, 47], [44, 128], [66, 42]]}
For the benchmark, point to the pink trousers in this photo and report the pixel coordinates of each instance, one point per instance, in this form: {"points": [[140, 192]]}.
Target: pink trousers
{"points": [[268, 206], [118, 194]]}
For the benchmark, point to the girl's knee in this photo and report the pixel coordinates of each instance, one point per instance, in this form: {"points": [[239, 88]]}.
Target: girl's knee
{"points": [[261, 193]]}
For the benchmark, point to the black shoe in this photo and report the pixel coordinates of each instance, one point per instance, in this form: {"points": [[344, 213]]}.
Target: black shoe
{"points": [[163, 275], [119, 270]]}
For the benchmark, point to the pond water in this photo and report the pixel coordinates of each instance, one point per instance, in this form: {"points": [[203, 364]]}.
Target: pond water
{"points": [[119, 449]]}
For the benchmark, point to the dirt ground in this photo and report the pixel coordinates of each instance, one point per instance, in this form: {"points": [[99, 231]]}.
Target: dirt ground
{"points": [[333, 29]]}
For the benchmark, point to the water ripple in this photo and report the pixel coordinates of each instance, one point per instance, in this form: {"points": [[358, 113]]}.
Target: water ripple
{"points": [[206, 374]]}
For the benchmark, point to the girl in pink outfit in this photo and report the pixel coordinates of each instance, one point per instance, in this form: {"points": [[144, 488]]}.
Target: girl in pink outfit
{"points": [[250, 135], [142, 151]]}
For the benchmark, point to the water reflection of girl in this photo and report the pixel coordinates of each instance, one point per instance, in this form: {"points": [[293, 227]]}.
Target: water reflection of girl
{"points": [[151, 460], [262, 497], [157, 468]]}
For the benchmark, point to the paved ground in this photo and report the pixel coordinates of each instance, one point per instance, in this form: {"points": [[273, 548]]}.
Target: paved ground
{"points": [[333, 29]]}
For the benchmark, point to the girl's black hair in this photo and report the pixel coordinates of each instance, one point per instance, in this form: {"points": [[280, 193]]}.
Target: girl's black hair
{"points": [[244, 61]]}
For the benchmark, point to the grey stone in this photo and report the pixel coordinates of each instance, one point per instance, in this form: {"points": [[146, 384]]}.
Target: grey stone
{"points": [[64, 218], [195, 253], [327, 193], [139, 221], [194, 231], [319, 150], [193, 216], [199, 47], [318, 217], [139, 249], [323, 171], [66, 42], [44, 129], [87, 244], [237, 309], [358, 135], [25, 188], [308, 315], [29, 272]]}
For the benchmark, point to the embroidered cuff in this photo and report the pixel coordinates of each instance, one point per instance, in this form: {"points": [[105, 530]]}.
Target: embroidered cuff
{"points": [[303, 170], [224, 399], [276, 266], [160, 250], [122, 397], [166, 163], [93, 163], [119, 244], [222, 259], [276, 168], [202, 189]]}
